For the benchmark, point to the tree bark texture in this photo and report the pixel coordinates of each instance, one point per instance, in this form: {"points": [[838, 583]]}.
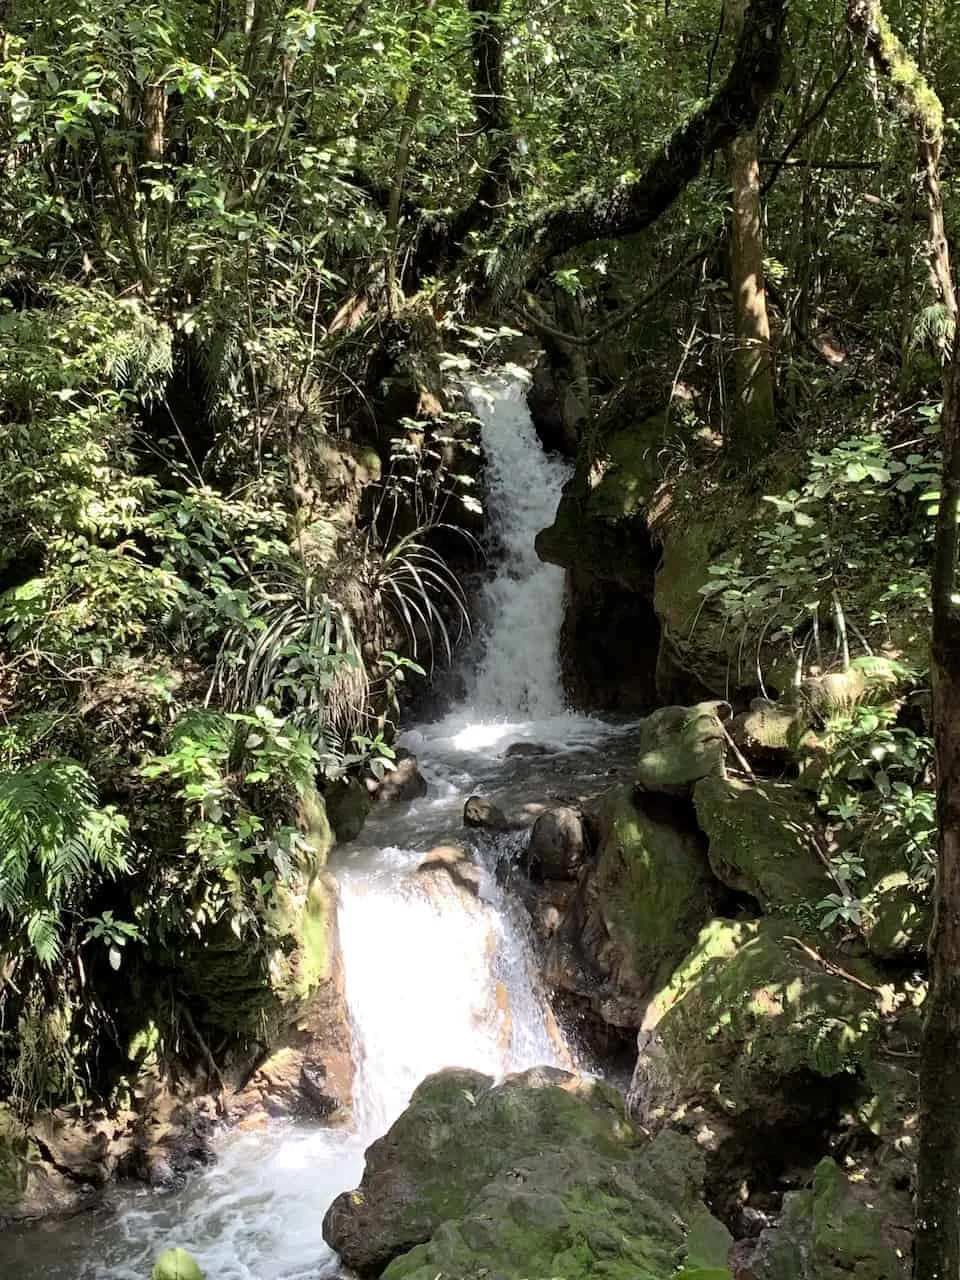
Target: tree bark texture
{"points": [[752, 419], [937, 1242]]}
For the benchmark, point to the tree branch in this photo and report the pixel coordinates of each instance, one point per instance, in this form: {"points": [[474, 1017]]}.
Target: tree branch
{"points": [[633, 205]]}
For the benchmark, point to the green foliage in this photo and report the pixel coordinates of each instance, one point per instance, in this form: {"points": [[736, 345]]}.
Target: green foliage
{"points": [[809, 565], [56, 843]]}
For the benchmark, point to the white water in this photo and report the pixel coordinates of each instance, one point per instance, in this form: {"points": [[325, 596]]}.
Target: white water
{"points": [[433, 979]]}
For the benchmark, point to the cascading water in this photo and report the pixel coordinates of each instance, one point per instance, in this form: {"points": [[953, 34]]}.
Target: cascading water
{"points": [[435, 977]]}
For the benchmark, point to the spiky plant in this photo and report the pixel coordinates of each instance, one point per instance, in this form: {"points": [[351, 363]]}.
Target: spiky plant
{"points": [[422, 592], [56, 841], [296, 648]]}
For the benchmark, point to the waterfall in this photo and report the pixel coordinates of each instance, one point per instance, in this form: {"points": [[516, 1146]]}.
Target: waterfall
{"points": [[435, 976], [522, 604]]}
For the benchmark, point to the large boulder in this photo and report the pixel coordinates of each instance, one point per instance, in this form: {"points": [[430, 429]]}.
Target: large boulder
{"points": [[30, 1186], [832, 1231], [750, 1021], [763, 842], [557, 847], [539, 1176], [309, 1069], [681, 745], [638, 909], [898, 916]]}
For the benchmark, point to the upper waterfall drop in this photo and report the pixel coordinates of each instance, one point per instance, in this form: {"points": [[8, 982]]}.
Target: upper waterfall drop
{"points": [[521, 606]]}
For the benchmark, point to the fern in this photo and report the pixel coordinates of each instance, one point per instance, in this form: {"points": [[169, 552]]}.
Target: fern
{"points": [[55, 841]]}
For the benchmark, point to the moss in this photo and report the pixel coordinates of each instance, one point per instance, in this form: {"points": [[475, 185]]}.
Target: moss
{"points": [[899, 916], [679, 745], [653, 890], [540, 1176], [14, 1160], [920, 105], [348, 805], [751, 1009], [601, 522], [762, 842], [831, 1231], [315, 825]]}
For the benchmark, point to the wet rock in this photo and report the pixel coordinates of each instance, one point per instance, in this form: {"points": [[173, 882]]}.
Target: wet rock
{"points": [[30, 1187], [764, 841], [833, 1230], [403, 783], [637, 910], [348, 806], [558, 846], [526, 749], [478, 812], [81, 1151], [541, 1175], [309, 1070], [454, 861], [759, 1024], [681, 745]]}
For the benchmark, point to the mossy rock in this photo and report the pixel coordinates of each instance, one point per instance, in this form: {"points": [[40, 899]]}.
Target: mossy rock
{"points": [[680, 745], [348, 806], [832, 1231], [176, 1264], [763, 841], [650, 893], [541, 1176], [601, 523], [898, 917], [766, 733], [750, 1019]]}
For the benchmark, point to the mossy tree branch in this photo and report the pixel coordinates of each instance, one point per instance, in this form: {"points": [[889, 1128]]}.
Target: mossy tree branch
{"points": [[635, 204], [922, 112]]}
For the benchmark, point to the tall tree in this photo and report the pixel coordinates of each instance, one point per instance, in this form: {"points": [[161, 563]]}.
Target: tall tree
{"points": [[752, 418]]}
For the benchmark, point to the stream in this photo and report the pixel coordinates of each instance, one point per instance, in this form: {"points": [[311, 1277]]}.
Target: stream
{"points": [[430, 982]]}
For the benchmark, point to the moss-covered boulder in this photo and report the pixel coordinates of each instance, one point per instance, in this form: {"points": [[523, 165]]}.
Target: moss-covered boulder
{"points": [[763, 841], [898, 916], [766, 733], [30, 1187], [680, 745], [637, 911], [750, 1020], [348, 806], [540, 1176], [832, 1231], [601, 522]]}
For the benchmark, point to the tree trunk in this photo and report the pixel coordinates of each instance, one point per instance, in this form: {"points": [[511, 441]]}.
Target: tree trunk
{"points": [[936, 1254], [937, 1245], [752, 411], [752, 417]]}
